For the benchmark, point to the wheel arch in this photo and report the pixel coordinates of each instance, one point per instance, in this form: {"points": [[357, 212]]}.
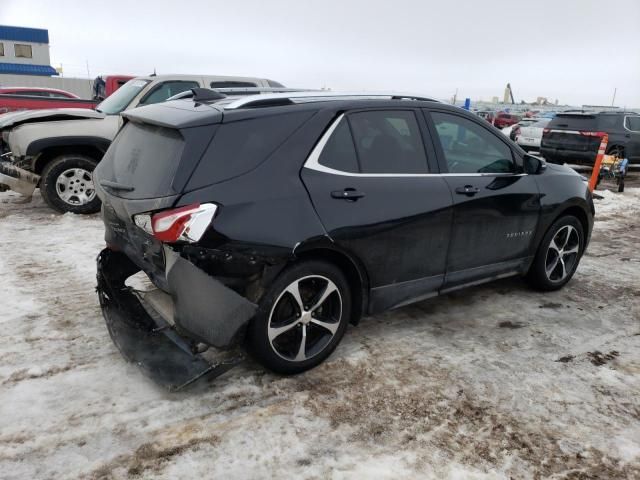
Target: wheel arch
{"points": [[45, 150], [355, 273], [617, 145], [580, 214]]}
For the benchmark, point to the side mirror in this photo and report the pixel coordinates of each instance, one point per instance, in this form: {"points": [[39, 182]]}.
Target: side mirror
{"points": [[534, 165]]}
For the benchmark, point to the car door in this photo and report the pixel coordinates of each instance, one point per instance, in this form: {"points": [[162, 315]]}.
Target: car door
{"points": [[496, 205], [370, 182]]}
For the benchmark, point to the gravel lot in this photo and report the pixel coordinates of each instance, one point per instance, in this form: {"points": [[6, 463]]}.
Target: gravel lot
{"points": [[493, 382]]}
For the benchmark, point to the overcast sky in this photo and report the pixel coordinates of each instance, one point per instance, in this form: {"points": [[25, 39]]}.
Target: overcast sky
{"points": [[577, 51]]}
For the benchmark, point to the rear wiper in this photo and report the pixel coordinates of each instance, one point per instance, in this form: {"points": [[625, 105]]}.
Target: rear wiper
{"points": [[116, 186]]}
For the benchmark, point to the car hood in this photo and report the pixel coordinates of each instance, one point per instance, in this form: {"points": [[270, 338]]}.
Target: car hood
{"points": [[13, 119]]}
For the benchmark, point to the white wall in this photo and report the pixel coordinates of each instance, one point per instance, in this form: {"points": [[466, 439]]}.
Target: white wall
{"points": [[79, 86], [40, 53]]}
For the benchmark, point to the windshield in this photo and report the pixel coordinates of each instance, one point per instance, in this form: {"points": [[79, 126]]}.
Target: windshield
{"points": [[122, 97]]}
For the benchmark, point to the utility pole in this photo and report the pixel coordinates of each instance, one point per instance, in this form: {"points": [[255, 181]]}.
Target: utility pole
{"points": [[614, 96]]}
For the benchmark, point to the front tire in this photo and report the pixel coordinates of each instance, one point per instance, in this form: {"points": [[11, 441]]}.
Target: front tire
{"points": [[558, 254], [301, 319], [67, 184]]}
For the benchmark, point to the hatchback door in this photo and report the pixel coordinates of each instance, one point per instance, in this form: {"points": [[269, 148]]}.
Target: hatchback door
{"points": [[370, 182], [496, 207]]}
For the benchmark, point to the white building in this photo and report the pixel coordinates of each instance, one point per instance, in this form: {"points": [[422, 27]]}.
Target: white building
{"points": [[25, 51]]}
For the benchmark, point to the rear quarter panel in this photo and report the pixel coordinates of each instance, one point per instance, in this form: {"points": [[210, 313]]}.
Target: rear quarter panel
{"points": [[268, 209]]}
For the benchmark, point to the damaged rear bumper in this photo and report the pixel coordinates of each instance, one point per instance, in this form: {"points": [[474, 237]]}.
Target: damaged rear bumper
{"points": [[145, 336], [18, 179]]}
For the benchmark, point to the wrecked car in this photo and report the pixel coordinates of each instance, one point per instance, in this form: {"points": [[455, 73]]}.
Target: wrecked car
{"points": [[271, 222], [58, 149]]}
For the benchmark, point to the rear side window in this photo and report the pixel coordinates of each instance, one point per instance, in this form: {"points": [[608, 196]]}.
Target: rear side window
{"points": [[633, 123], [608, 122], [376, 142], [166, 90], [388, 142], [240, 146], [339, 152], [232, 84], [145, 157], [470, 148]]}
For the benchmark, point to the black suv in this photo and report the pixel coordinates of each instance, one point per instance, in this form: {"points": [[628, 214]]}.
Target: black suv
{"points": [[273, 221], [575, 137]]}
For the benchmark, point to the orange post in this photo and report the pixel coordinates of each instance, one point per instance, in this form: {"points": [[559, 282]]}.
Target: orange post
{"points": [[598, 163]]}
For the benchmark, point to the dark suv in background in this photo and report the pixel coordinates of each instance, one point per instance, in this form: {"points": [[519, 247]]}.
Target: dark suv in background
{"points": [[275, 220], [575, 137]]}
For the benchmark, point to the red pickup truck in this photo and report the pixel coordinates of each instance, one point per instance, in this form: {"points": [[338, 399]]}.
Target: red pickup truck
{"points": [[14, 99]]}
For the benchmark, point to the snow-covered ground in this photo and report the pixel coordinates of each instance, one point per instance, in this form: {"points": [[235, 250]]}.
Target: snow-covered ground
{"points": [[493, 382]]}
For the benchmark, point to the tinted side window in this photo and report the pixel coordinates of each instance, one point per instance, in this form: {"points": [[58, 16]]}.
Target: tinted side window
{"points": [[469, 148], [388, 142], [242, 145], [633, 123], [232, 84], [339, 152], [608, 122], [166, 90]]}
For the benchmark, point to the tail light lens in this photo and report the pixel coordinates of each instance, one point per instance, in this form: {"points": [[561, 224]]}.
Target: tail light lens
{"points": [[183, 224], [546, 130]]}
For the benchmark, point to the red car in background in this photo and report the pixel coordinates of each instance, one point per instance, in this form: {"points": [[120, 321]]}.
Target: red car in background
{"points": [[505, 120], [14, 99], [37, 92]]}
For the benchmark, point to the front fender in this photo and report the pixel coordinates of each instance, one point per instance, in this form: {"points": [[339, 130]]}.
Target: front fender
{"points": [[29, 139]]}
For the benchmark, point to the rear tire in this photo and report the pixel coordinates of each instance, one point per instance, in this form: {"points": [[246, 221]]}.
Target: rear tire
{"points": [[558, 255], [292, 333], [616, 150], [67, 184]]}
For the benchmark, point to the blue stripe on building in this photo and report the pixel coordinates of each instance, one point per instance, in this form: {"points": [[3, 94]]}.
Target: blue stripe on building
{"points": [[23, 34], [26, 69]]}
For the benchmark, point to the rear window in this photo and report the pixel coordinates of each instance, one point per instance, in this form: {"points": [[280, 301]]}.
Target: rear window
{"points": [[145, 157], [574, 122], [242, 145]]}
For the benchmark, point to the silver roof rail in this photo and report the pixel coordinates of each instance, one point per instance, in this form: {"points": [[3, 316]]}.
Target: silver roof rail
{"points": [[247, 90], [315, 96], [238, 91]]}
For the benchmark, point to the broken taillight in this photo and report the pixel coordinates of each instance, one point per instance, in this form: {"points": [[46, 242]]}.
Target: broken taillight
{"points": [[183, 224]]}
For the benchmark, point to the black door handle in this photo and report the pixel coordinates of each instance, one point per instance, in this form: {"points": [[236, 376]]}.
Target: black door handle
{"points": [[347, 194], [468, 190]]}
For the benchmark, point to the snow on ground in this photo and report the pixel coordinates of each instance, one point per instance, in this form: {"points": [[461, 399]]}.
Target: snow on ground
{"points": [[493, 382]]}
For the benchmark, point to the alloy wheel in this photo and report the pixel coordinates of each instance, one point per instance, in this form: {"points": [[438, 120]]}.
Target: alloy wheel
{"points": [[562, 254], [304, 318], [75, 186]]}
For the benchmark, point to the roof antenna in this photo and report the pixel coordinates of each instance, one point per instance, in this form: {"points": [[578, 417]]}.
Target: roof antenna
{"points": [[154, 72]]}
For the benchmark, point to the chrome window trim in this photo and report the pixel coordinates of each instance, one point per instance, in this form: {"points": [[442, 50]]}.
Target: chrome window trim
{"points": [[313, 163]]}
